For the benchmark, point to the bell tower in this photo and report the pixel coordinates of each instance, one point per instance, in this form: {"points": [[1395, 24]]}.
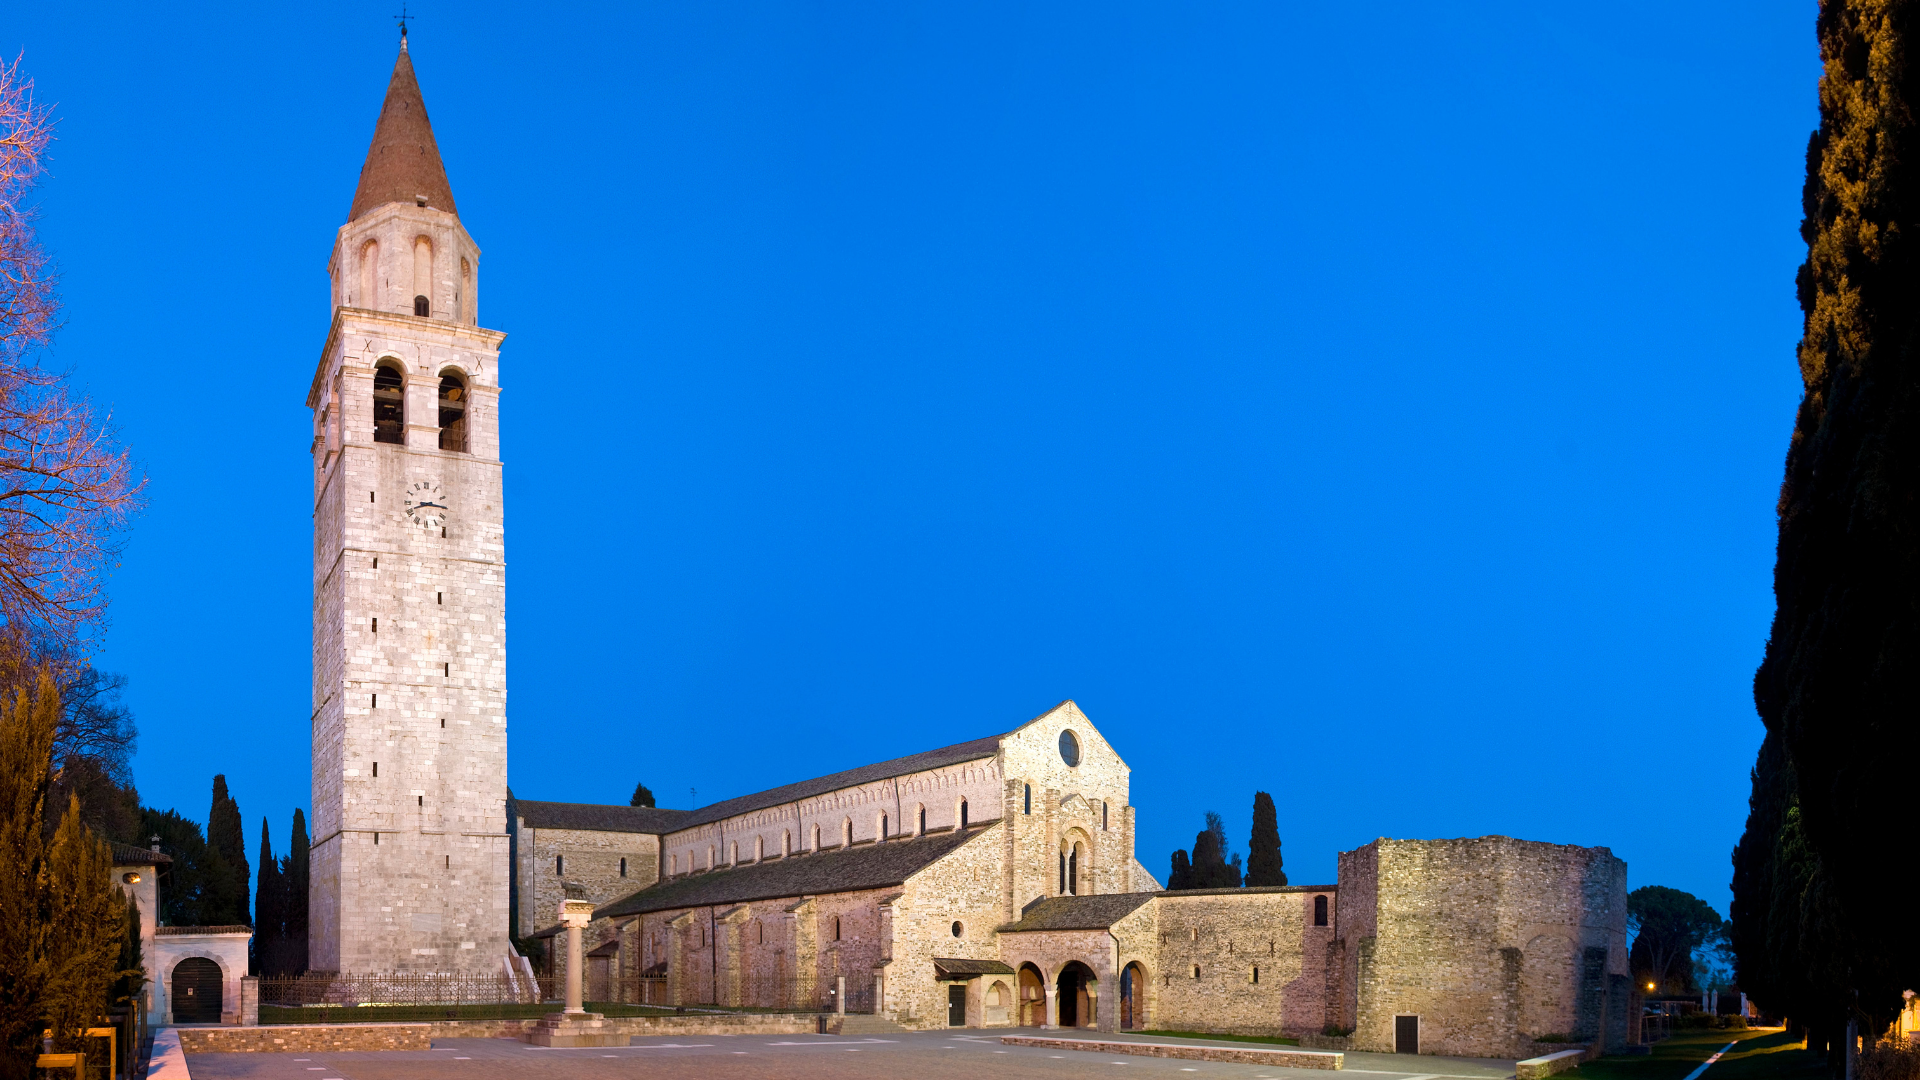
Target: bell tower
{"points": [[409, 861]]}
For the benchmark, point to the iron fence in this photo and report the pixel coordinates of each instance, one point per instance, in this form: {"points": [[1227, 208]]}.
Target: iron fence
{"points": [[453, 990], [742, 992], [405, 988]]}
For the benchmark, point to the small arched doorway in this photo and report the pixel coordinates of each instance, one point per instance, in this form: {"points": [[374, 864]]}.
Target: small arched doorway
{"points": [[197, 991], [1133, 994], [1033, 997], [1075, 992]]}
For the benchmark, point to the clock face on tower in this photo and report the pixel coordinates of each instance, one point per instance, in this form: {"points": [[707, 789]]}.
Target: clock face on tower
{"points": [[425, 505]]}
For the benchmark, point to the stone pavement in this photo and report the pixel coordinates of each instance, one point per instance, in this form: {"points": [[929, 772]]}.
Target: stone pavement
{"points": [[959, 1054]]}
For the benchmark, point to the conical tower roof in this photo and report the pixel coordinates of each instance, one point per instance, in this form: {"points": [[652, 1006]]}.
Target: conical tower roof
{"points": [[404, 162]]}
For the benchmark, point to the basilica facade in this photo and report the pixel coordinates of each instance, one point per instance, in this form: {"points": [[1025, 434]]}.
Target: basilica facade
{"points": [[994, 883]]}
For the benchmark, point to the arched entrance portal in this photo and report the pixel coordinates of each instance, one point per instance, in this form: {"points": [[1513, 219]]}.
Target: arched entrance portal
{"points": [[1077, 990], [1133, 993], [197, 991], [1033, 998]]}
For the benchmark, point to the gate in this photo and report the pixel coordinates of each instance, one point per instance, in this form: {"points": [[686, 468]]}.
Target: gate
{"points": [[197, 989]]}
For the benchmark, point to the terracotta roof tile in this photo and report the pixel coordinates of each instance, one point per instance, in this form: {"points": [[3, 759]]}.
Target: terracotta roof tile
{"points": [[404, 161]]}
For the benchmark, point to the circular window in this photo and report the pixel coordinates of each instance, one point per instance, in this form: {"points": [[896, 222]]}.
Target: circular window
{"points": [[1069, 748], [957, 928]]}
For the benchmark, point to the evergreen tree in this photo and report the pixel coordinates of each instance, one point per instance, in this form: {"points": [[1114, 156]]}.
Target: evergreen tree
{"points": [[269, 911], [1263, 847], [1835, 685], [297, 878], [641, 796], [26, 745], [1212, 869], [226, 836], [62, 918], [187, 891], [1181, 876], [87, 913]]}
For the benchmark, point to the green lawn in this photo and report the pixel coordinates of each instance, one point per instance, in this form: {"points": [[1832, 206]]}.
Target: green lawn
{"points": [[1210, 1035], [1763, 1054]]}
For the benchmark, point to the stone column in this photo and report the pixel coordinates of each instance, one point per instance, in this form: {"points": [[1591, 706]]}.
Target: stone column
{"points": [[840, 994], [574, 963], [1050, 1019], [879, 993]]}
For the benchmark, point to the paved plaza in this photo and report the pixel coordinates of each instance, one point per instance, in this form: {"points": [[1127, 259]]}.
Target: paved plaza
{"points": [[961, 1054]]}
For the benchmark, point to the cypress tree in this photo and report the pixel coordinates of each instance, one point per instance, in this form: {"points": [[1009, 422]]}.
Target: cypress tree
{"points": [[1181, 876], [26, 747], [641, 796], [226, 836], [188, 893], [87, 913], [296, 879], [1264, 865], [1212, 869], [269, 911], [1836, 684]]}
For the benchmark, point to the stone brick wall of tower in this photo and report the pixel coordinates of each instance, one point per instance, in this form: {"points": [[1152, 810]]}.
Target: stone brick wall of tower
{"points": [[423, 693], [590, 858], [1087, 802], [765, 833], [1489, 942], [394, 229], [1261, 961]]}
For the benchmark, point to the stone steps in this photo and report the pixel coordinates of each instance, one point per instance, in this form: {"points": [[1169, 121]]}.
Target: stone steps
{"points": [[863, 1024]]}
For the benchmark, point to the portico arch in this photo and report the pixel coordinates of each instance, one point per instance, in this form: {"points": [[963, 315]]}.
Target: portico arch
{"points": [[1134, 989], [1032, 997], [1076, 993]]}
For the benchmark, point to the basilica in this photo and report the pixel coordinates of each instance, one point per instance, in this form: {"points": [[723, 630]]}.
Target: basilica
{"points": [[992, 883]]}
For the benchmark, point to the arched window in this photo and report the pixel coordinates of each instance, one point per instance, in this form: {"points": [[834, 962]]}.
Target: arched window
{"points": [[759, 848], [389, 404], [462, 290], [760, 938], [883, 826], [1027, 808], [1319, 911], [559, 864], [963, 813], [922, 830], [422, 276], [786, 842], [369, 275], [733, 853], [846, 833], [1073, 870], [1103, 815], [623, 867], [836, 928], [1196, 971], [709, 856], [816, 838], [1063, 874], [453, 412], [1256, 975], [673, 864]]}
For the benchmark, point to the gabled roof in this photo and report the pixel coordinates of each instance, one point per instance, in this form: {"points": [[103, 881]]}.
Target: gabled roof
{"points": [[404, 162], [129, 855], [863, 866], [1079, 912], [596, 817], [866, 774]]}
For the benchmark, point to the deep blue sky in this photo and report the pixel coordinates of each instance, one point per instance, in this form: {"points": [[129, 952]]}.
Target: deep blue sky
{"points": [[1379, 404]]}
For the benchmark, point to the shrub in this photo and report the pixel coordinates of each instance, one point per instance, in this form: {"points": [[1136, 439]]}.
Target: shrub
{"points": [[1335, 1031], [1888, 1061]]}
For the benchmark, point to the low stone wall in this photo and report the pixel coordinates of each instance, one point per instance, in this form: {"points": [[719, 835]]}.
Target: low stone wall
{"points": [[1239, 1055], [301, 1038], [1327, 1042]]}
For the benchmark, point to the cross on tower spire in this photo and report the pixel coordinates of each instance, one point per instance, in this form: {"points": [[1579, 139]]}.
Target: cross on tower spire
{"points": [[402, 19]]}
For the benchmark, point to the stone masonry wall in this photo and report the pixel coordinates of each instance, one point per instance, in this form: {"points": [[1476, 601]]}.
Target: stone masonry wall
{"points": [[1052, 805], [1260, 960], [1487, 942], [964, 887], [590, 858]]}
